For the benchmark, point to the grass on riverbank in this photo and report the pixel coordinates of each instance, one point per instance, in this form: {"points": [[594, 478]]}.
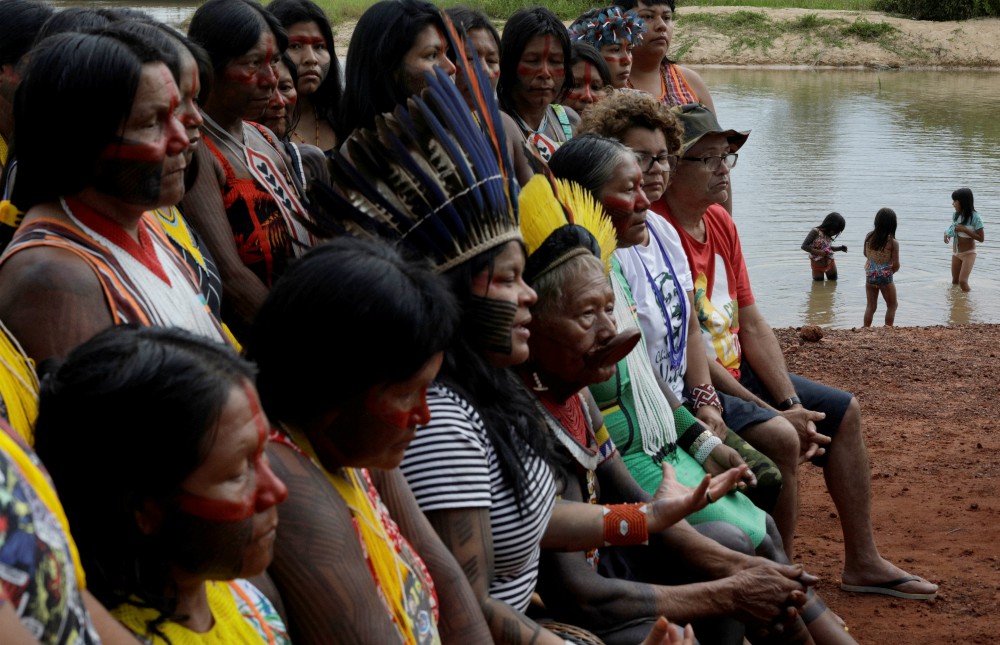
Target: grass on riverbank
{"points": [[339, 10], [747, 29]]}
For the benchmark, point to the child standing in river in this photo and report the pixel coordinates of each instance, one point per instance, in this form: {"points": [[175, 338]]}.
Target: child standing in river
{"points": [[966, 229], [881, 262], [819, 245]]}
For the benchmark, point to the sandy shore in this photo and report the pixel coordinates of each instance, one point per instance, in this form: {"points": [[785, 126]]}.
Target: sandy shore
{"points": [[971, 43], [930, 411]]}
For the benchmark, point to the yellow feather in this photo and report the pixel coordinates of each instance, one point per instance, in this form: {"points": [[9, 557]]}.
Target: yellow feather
{"points": [[541, 212], [589, 214]]}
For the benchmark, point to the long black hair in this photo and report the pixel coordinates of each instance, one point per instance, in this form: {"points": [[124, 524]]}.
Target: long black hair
{"points": [[56, 95], [126, 418], [326, 99], [20, 21], [512, 422], [348, 315], [521, 27], [375, 80], [833, 224], [885, 229], [966, 206], [227, 29]]}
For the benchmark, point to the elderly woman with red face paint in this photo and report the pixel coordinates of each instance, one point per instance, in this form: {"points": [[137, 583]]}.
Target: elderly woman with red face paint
{"points": [[88, 255], [167, 542], [534, 70]]}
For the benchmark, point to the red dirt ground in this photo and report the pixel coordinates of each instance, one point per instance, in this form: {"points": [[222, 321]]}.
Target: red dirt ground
{"points": [[930, 409]]}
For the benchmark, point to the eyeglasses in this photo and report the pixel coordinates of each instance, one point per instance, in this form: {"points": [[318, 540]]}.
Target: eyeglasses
{"points": [[713, 163], [646, 161]]}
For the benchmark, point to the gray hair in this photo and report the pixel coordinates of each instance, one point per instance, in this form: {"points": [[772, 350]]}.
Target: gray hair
{"points": [[589, 159], [550, 286]]}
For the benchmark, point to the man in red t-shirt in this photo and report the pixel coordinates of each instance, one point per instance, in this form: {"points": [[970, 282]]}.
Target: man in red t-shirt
{"points": [[785, 416]]}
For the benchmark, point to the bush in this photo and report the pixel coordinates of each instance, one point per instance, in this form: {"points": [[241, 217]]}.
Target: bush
{"points": [[940, 9]]}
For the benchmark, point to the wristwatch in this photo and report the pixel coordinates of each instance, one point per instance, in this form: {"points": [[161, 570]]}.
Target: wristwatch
{"points": [[789, 402]]}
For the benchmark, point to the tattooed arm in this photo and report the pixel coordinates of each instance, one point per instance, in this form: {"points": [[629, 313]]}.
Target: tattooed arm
{"points": [[467, 534], [51, 301], [461, 618], [243, 292], [318, 565]]}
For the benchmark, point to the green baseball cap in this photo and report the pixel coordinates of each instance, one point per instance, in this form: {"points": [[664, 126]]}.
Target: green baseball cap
{"points": [[698, 121]]}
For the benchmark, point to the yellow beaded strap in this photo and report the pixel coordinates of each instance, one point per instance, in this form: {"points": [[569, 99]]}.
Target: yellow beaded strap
{"points": [[387, 565], [46, 493], [18, 386], [230, 628]]}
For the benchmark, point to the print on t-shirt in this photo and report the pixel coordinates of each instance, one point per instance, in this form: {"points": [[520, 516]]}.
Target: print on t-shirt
{"points": [[719, 317]]}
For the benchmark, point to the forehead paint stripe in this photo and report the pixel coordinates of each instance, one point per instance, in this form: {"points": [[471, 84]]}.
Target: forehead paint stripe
{"points": [[307, 40]]}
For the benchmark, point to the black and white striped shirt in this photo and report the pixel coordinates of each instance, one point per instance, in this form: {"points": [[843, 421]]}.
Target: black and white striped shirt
{"points": [[451, 464]]}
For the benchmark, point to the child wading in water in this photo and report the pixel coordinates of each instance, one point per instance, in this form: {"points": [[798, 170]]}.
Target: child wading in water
{"points": [[966, 229], [882, 253], [819, 245]]}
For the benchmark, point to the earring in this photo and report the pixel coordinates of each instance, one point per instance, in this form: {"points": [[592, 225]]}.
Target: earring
{"points": [[538, 383]]}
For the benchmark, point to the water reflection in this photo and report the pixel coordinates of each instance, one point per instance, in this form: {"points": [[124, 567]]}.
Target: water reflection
{"points": [[854, 141], [961, 307], [172, 12], [822, 303]]}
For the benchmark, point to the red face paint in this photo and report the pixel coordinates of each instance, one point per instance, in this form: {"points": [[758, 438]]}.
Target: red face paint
{"points": [[584, 92], [404, 420], [268, 489], [307, 40], [545, 66]]}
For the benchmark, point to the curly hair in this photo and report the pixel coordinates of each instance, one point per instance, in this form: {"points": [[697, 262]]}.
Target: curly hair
{"points": [[622, 111]]}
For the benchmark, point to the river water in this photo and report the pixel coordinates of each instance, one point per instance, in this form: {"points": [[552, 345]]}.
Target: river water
{"points": [[853, 142], [848, 141]]}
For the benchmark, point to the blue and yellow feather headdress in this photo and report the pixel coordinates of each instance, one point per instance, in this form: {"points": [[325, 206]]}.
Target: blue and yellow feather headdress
{"points": [[433, 176]]}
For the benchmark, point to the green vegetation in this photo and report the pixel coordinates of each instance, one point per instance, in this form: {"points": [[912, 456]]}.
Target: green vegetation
{"points": [[340, 10], [868, 31], [745, 29], [755, 30], [940, 9]]}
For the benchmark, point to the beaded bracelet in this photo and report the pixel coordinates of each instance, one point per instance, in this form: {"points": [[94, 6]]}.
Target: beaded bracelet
{"points": [[705, 394], [706, 449], [625, 525], [697, 444]]}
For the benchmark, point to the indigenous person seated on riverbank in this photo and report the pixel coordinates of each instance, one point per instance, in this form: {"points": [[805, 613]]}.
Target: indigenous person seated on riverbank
{"points": [[534, 70], [247, 202], [20, 20], [618, 591], [652, 70], [311, 48], [614, 32], [393, 45], [591, 78], [166, 542], [355, 560], [87, 255], [787, 417]]}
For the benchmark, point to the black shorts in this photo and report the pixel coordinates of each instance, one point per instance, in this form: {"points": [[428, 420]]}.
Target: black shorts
{"points": [[740, 414]]}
